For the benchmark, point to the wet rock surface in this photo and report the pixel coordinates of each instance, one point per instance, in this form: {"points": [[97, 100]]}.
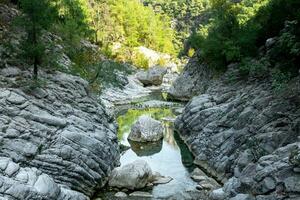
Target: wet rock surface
{"points": [[244, 134], [56, 141]]}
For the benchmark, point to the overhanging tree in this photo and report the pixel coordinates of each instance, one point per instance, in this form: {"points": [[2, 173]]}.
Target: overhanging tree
{"points": [[38, 15]]}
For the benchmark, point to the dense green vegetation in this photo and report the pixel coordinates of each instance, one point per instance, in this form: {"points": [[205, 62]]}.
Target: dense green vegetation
{"points": [[40, 14], [123, 25], [186, 16], [224, 31], [117, 27], [236, 31]]}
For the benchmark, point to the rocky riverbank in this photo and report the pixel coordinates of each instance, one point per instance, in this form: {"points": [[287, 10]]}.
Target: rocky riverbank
{"points": [[242, 132], [57, 142]]}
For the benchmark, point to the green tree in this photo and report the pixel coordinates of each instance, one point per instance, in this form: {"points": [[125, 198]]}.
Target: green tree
{"points": [[38, 15]]}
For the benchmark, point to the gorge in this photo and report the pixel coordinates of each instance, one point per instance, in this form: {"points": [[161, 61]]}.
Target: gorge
{"points": [[194, 100]]}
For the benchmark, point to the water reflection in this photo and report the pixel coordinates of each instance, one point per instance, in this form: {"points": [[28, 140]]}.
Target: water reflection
{"points": [[146, 149], [169, 157]]}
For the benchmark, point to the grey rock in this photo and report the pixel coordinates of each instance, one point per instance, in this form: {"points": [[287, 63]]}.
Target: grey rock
{"points": [[141, 194], [270, 42], [146, 129], [157, 179], [16, 98], [218, 194], [11, 72], [242, 197], [292, 184], [121, 195], [46, 186], [153, 76], [195, 79], [269, 184], [11, 168], [132, 176], [241, 132], [57, 144]]}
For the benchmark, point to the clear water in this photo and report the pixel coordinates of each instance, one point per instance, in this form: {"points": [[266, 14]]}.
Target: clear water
{"points": [[169, 157]]}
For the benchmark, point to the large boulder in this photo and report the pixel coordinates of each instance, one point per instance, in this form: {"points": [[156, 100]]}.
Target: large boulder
{"points": [[132, 176], [194, 80], [56, 141], [153, 76], [146, 129]]}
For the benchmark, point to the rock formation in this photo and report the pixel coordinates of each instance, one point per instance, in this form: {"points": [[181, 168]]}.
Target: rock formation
{"points": [[56, 141], [244, 134]]}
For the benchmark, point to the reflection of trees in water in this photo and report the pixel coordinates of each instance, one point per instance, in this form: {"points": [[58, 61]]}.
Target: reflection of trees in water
{"points": [[146, 148], [169, 133], [187, 157], [127, 119]]}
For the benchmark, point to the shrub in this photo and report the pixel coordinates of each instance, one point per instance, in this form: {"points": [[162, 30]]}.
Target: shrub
{"points": [[140, 60]]}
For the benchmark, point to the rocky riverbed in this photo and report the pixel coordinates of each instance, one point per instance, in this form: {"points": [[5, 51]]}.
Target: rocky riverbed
{"points": [[59, 141]]}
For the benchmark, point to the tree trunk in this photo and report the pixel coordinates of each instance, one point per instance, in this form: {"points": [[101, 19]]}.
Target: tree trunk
{"points": [[35, 68], [35, 59]]}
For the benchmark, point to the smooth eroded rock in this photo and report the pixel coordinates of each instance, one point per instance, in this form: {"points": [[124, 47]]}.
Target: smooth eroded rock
{"points": [[146, 129], [132, 176], [153, 76]]}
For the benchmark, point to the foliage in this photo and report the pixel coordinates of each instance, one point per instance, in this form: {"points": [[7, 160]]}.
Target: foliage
{"points": [[139, 59], [280, 79], [131, 24], [294, 157], [254, 68], [38, 15], [286, 51], [237, 30], [186, 16], [256, 149]]}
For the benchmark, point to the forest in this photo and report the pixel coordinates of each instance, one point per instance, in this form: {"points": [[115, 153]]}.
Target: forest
{"points": [[224, 31]]}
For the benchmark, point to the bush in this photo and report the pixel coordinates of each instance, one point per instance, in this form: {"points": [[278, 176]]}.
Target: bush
{"points": [[280, 79], [237, 30], [294, 157], [140, 60], [254, 68]]}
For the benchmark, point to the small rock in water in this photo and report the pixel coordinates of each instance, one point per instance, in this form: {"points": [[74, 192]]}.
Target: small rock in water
{"points": [[146, 129], [197, 172], [131, 176], [199, 178], [121, 195], [204, 186], [163, 180], [141, 194], [297, 169]]}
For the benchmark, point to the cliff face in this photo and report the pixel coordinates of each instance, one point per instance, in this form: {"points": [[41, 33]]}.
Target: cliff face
{"points": [[193, 80], [56, 141], [245, 135]]}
